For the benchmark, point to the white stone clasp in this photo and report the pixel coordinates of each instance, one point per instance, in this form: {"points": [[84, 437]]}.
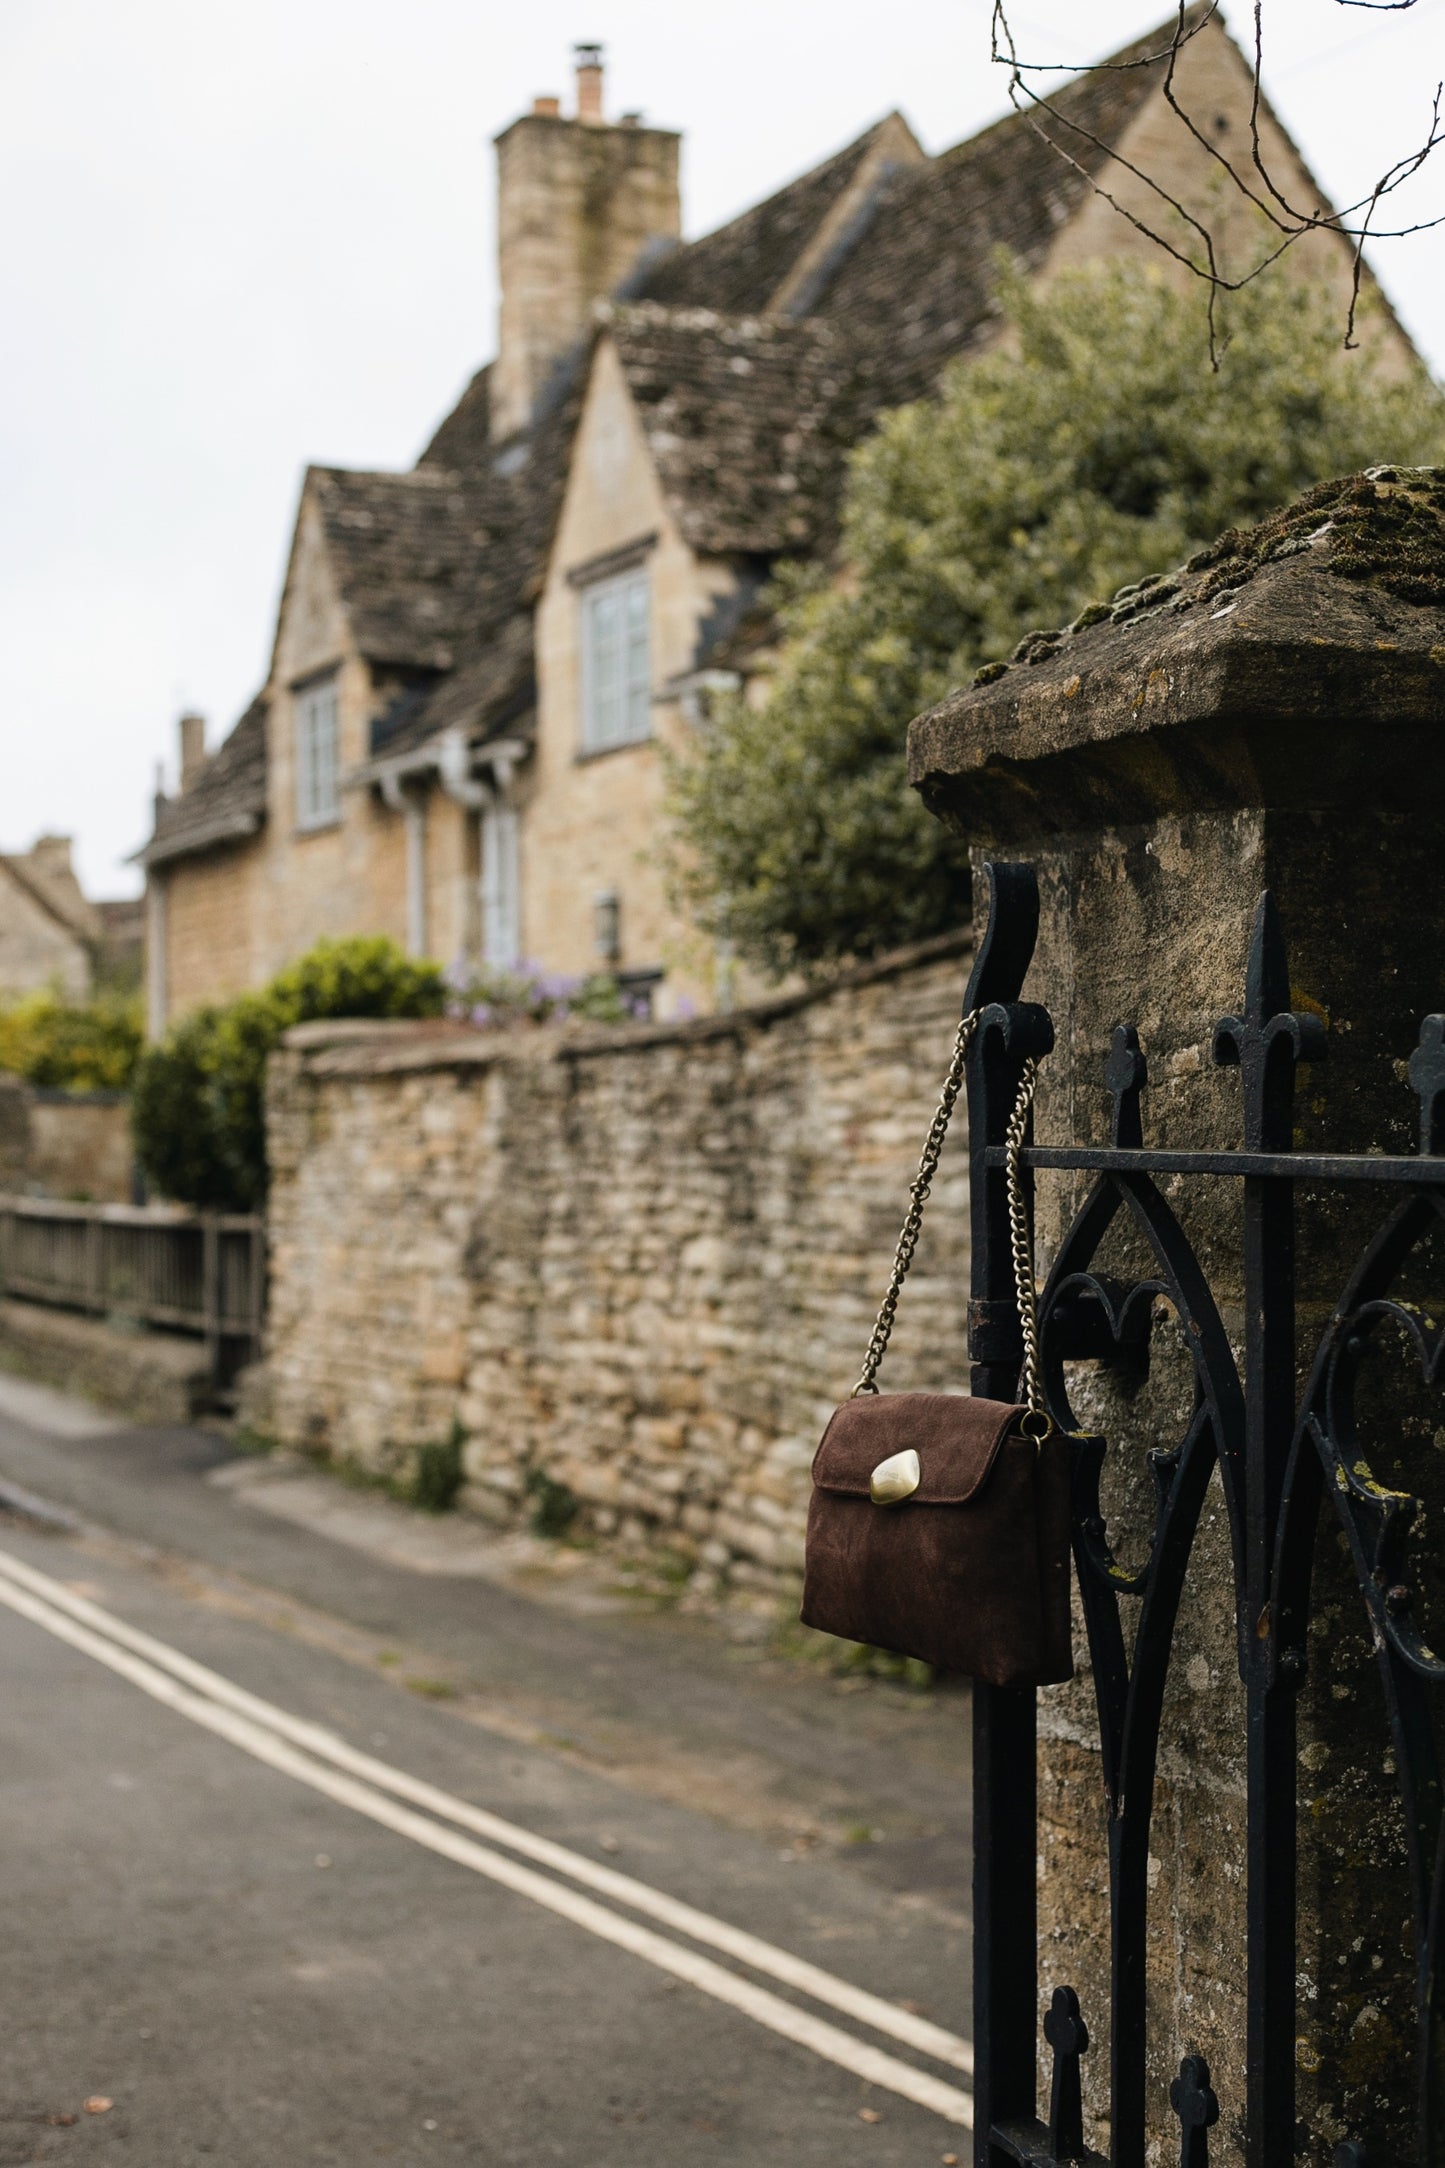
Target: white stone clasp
{"points": [[895, 1479]]}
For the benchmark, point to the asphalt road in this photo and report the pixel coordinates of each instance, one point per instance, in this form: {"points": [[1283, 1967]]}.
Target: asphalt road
{"points": [[258, 1950]]}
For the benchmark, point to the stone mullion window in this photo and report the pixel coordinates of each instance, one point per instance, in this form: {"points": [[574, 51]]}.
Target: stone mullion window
{"points": [[318, 799], [616, 662]]}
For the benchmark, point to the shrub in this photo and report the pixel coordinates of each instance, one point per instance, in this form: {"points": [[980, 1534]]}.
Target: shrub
{"points": [[178, 1140], [198, 1106], [75, 1046]]}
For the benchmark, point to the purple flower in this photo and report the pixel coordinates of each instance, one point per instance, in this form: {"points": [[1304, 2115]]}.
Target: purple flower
{"points": [[483, 1014]]}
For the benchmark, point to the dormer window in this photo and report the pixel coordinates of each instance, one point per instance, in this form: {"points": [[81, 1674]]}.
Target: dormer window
{"points": [[616, 661], [318, 799]]}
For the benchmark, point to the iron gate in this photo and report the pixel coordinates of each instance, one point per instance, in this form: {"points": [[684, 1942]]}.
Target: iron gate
{"points": [[1281, 1465]]}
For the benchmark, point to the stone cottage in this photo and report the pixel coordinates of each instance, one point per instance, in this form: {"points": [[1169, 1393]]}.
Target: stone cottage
{"points": [[52, 934], [477, 663]]}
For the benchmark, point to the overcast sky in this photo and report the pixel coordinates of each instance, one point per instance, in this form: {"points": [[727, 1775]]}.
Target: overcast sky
{"points": [[246, 234]]}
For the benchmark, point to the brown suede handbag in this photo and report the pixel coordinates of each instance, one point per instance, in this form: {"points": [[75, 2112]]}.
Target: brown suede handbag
{"points": [[940, 1525]]}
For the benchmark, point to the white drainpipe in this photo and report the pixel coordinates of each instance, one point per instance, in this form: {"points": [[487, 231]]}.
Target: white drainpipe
{"points": [[412, 805]]}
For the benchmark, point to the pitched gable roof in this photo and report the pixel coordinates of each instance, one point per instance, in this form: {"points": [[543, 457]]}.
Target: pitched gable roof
{"points": [[405, 549], [746, 419], [917, 287], [754, 460], [224, 804], [80, 923], [738, 269], [48, 878], [515, 496], [463, 439]]}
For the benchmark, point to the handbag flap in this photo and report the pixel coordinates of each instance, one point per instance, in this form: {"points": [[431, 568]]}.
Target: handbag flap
{"points": [[956, 1439]]}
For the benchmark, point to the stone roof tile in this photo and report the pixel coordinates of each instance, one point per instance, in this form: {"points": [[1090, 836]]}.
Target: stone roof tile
{"points": [[747, 420], [739, 268], [916, 289], [463, 440], [407, 550], [225, 803]]}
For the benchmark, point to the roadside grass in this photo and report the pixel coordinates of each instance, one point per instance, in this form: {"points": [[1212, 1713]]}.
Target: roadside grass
{"points": [[245, 1438], [657, 1581], [848, 1660], [428, 1477], [552, 1507]]}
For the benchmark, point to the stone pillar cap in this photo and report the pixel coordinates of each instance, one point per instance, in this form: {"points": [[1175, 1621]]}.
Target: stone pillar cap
{"points": [[1246, 678]]}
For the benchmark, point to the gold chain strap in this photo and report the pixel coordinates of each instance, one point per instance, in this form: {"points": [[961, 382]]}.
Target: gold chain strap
{"points": [[1020, 1240], [918, 1195]]}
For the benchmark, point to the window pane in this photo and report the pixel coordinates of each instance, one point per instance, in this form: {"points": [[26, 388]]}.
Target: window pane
{"points": [[606, 658], [616, 663], [639, 661], [326, 764], [317, 762], [305, 777]]}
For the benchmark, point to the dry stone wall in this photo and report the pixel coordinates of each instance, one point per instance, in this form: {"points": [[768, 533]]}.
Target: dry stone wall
{"points": [[640, 1264], [65, 1144]]}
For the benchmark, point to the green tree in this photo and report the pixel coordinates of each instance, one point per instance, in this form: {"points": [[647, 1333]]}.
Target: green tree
{"points": [[198, 1105], [1090, 446]]}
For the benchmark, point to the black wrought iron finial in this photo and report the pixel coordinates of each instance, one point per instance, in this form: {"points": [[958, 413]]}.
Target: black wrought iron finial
{"points": [[1068, 2036], [1427, 1081], [1010, 930], [1269, 1040], [1126, 1073], [1196, 2104]]}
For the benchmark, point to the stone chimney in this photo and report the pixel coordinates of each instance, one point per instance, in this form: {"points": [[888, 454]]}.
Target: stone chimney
{"points": [[580, 200], [589, 84], [193, 747], [51, 855]]}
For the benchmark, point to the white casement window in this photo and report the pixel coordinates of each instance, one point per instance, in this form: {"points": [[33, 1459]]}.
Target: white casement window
{"points": [[318, 800], [501, 891], [616, 662]]}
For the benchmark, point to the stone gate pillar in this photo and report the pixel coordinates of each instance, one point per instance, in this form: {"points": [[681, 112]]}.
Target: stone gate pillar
{"points": [[1272, 717]]}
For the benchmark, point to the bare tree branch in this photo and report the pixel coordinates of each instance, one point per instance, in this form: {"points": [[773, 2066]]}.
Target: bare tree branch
{"points": [[1194, 244]]}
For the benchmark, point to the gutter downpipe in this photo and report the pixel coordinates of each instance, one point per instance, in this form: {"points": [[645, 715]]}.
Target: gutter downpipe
{"points": [[412, 805]]}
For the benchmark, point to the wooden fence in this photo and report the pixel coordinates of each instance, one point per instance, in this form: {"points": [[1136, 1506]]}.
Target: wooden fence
{"points": [[202, 1273]]}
